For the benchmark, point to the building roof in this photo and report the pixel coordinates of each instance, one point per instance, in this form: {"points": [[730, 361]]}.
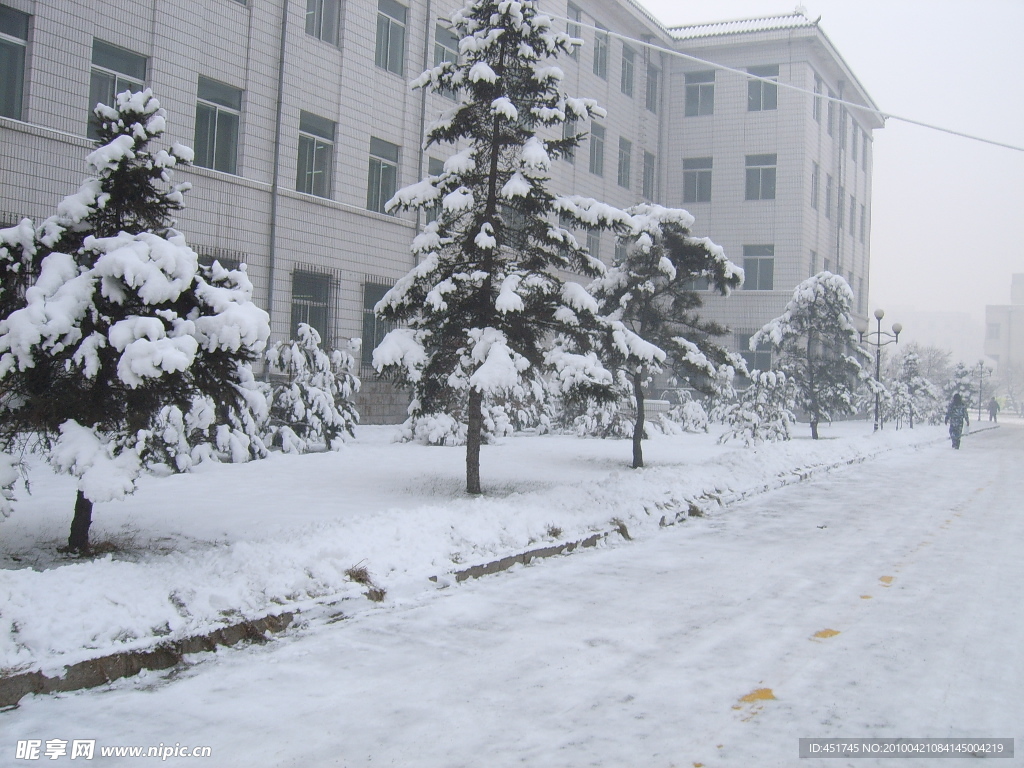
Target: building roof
{"points": [[794, 20]]}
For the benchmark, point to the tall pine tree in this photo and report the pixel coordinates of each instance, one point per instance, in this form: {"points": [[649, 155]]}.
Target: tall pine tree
{"points": [[816, 343], [117, 320], [649, 301], [486, 310]]}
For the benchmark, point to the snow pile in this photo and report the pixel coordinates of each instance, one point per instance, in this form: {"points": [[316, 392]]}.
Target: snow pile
{"points": [[312, 532]]}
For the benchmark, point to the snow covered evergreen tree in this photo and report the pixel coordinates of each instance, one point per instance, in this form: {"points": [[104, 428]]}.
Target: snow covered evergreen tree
{"points": [[961, 382], [913, 397], [117, 320], [816, 343], [763, 412], [651, 307], [313, 404], [486, 309]]}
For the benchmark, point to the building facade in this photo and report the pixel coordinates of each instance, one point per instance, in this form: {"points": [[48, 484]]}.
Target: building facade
{"points": [[1004, 330], [304, 125]]}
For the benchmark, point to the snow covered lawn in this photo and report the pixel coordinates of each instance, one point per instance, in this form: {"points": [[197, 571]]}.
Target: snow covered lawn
{"points": [[196, 552]]}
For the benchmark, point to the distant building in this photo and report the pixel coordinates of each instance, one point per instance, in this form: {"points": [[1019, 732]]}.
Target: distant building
{"points": [[1004, 328], [304, 126]]}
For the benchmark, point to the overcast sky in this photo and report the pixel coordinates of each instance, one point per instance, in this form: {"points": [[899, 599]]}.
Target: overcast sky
{"points": [[948, 223]]}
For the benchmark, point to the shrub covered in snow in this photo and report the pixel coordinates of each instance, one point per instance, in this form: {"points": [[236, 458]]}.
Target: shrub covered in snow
{"points": [[117, 320], [763, 412]]}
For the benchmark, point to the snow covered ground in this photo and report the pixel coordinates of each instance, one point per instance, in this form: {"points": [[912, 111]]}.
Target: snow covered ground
{"points": [[635, 653]]}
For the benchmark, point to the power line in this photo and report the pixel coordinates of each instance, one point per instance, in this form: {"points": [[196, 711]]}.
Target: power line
{"points": [[852, 105]]}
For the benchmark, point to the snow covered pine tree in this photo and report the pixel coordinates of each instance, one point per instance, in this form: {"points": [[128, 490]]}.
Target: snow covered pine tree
{"points": [[817, 346], [117, 319], [650, 304], [486, 309]]}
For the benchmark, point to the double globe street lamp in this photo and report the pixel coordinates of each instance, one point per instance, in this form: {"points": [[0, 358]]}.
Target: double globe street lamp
{"points": [[878, 339]]}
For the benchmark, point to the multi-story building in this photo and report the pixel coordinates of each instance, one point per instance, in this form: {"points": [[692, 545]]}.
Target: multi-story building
{"points": [[1004, 330], [304, 125]]}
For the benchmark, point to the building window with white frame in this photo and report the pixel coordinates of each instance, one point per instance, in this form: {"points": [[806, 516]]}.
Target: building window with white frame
{"points": [[316, 155], [653, 94], [568, 132], [697, 179], [383, 174], [758, 267], [819, 87], [390, 50], [597, 149], [815, 184], [374, 328], [323, 20], [594, 242], [700, 94], [761, 171], [853, 215], [435, 167], [763, 93], [218, 111], [625, 169], [574, 27], [814, 264], [13, 47], [114, 70], [628, 70], [759, 359], [650, 175], [863, 221], [311, 294], [601, 53], [446, 48]]}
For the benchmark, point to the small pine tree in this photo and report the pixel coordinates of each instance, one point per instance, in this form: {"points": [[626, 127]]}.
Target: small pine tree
{"points": [[961, 382], [118, 319], [313, 404], [913, 397], [816, 341], [763, 412], [651, 307], [486, 309]]}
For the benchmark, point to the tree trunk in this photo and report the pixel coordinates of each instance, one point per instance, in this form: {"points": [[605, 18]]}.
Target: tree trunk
{"points": [[473, 439], [638, 427], [78, 541], [814, 429]]}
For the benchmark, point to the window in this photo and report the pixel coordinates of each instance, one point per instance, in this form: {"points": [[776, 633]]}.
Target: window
{"points": [[601, 53], [993, 331], [828, 195], [218, 110], [814, 263], [435, 167], [621, 251], [815, 184], [594, 242], [114, 71], [759, 359], [446, 48], [698, 284], [310, 303], [650, 175], [383, 176], [574, 28], [700, 94], [628, 67], [853, 215], [390, 52], [841, 207], [758, 267], [13, 44], [863, 221], [816, 102], [323, 19], [842, 128], [568, 132], [761, 177], [762, 95], [827, 265], [654, 88], [697, 179], [625, 162], [316, 155], [860, 294], [374, 329], [853, 143], [228, 259], [831, 121], [597, 149]]}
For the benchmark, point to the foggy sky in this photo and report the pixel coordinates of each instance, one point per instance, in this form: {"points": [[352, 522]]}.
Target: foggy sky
{"points": [[947, 212]]}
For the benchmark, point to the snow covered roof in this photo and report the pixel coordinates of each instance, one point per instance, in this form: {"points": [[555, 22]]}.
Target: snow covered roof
{"points": [[794, 20]]}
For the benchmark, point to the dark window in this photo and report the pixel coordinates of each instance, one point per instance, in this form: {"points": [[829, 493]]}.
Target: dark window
{"points": [[762, 94], [374, 329], [218, 110], [758, 267], [597, 149], [568, 131], [815, 184], [446, 48], [601, 53], [316, 155], [311, 293], [819, 87], [383, 175], [13, 44], [650, 175], [573, 28], [323, 19], [114, 70], [757, 360], [761, 177], [697, 179], [653, 88], [628, 69], [625, 162], [435, 167], [390, 51], [700, 93]]}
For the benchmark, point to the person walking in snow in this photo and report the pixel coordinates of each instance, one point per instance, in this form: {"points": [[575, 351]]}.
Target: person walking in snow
{"points": [[993, 410], [956, 417]]}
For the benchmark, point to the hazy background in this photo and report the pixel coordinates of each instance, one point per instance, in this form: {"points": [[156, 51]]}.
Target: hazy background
{"points": [[948, 212]]}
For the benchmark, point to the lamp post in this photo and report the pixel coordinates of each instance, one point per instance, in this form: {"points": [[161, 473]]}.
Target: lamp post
{"points": [[878, 339], [982, 373]]}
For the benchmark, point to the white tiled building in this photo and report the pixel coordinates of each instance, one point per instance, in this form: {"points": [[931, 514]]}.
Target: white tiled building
{"points": [[304, 125]]}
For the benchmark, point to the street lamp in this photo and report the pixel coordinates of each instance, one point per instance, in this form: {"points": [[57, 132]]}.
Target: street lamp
{"points": [[878, 339]]}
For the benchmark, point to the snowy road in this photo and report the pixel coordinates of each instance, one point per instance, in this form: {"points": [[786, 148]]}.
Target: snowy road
{"points": [[883, 600]]}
